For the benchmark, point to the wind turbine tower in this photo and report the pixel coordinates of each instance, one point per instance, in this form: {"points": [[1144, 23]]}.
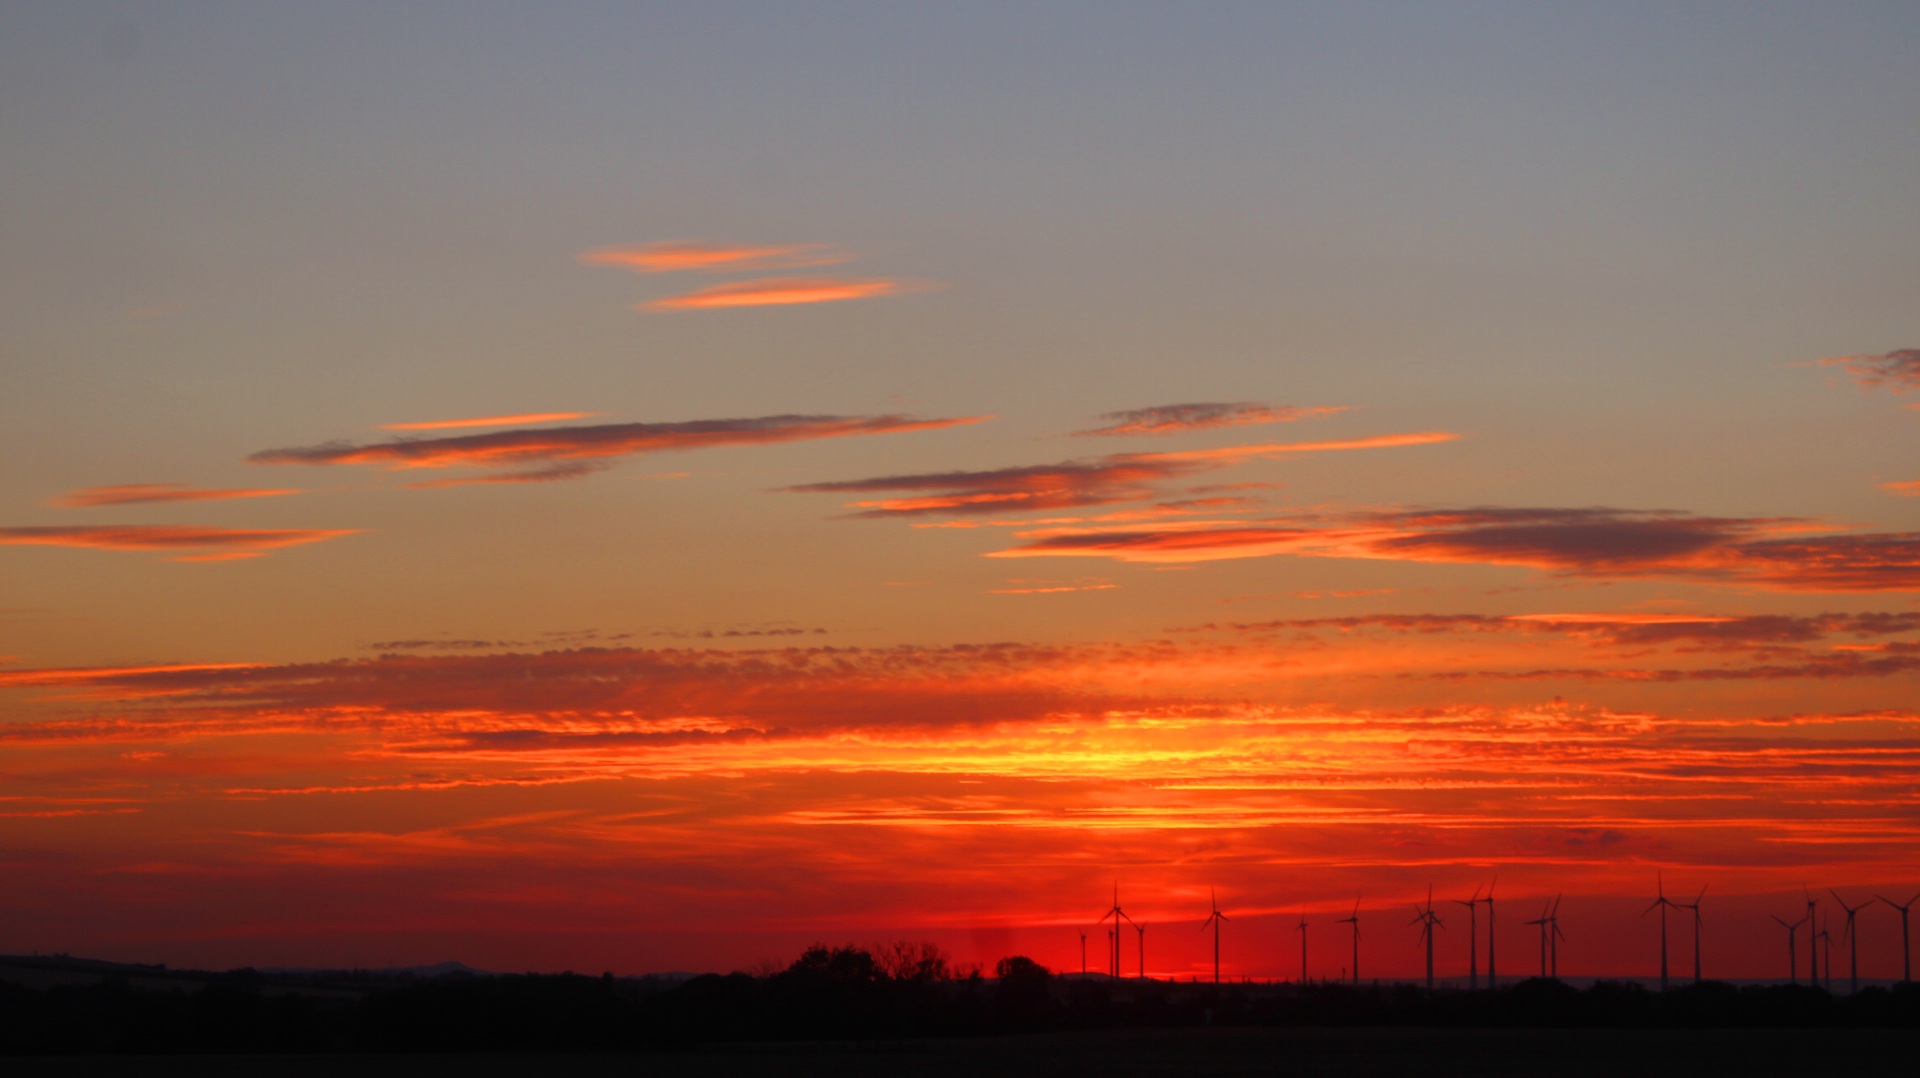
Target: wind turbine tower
{"points": [[1825, 940], [1906, 946], [1695, 907], [1815, 929], [1793, 950], [1662, 904], [1302, 926], [1473, 937], [1493, 971], [1853, 942], [1554, 937], [1117, 915], [1083, 954], [1215, 919], [1542, 921], [1354, 920], [1142, 929], [1428, 921]]}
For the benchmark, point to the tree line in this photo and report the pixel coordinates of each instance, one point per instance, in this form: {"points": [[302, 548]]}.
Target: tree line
{"points": [[831, 993]]}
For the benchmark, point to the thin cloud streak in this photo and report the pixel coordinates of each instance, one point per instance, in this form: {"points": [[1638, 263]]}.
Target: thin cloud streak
{"points": [[1771, 552], [1120, 477], [493, 421], [150, 493], [778, 292], [548, 447], [213, 544], [1176, 418], [1897, 371], [712, 257]]}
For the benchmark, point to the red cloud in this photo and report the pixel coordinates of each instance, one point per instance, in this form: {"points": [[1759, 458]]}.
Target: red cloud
{"points": [[1117, 478], [712, 257], [1898, 371], [213, 544], [1771, 552], [141, 493], [544, 449], [778, 292], [1173, 418]]}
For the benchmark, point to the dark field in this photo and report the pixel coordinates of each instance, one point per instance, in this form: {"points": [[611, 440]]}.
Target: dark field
{"points": [[1202, 1052]]}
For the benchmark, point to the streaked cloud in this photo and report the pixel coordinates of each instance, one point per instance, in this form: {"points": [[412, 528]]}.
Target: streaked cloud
{"points": [[568, 452], [193, 543], [1898, 371], [713, 257], [1053, 587], [1174, 418], [1779, 553], [1120, 477], [492, 421], [1908, 488], [146, 493], [778, 292]]}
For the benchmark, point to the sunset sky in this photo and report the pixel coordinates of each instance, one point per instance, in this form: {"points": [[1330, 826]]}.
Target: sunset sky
{"points": [[649, 487]]}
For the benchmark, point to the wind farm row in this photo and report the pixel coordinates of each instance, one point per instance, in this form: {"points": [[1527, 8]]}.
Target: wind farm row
{"points": [[1815, 917]]}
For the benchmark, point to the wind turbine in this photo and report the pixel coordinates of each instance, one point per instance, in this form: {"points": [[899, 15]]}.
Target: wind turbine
{"points": [[1906, 948], [1302, 926], [1215, 919], [1793, 952], [1473, 937], [1354, 920], [1553, 939], [1142, 929], [1815, 930], [1825, 939], [1662, 903], [1083, 954], [1550, 932], [1695, 907], [1853, 941], [1493, 974], [1428, 921], [1113, 937]]}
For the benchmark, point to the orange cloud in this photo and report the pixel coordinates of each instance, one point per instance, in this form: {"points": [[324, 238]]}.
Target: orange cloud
{"points": [[1174, 418], [97, 675], [1120, 477], [712, 257], [1898, 371], [492, 421], [1769, 552], [1233, 454], [551, 447], [141, 493], [778, 292], [211, 544], [1907, 488]]}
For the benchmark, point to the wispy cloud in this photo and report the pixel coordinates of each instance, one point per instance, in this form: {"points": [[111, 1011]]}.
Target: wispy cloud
{"points": [[1174, 418], [713, 257], [143, 493], [1778, 553], [778, 292], [1906, 488], [211, 544], [1053, 587], [492, 421], [1898, 371], [567, 452], [1120, 477]]}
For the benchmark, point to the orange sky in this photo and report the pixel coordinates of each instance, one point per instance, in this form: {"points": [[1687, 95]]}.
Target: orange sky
{"points": [[639, 492]]}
